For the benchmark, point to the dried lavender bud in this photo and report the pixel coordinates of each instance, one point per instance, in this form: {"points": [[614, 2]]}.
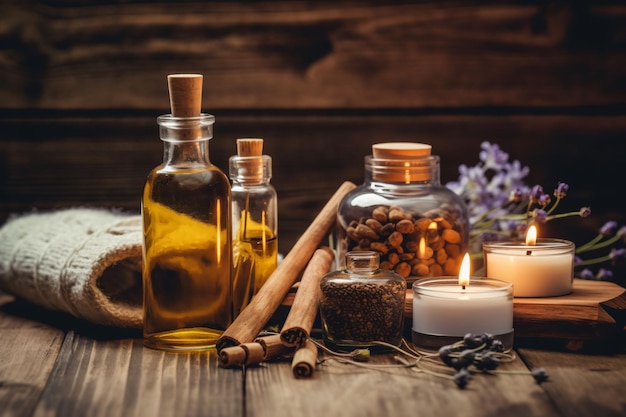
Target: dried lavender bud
{"points": [[472, 341], [487, 361], [462, 378], [444, 354], [540, 375], [487, 339], [497, 346], [466, 358]]}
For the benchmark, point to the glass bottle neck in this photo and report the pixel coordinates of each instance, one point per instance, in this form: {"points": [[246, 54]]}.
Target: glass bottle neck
{"points": [[186, 140], [186, 153], [250, 170]]}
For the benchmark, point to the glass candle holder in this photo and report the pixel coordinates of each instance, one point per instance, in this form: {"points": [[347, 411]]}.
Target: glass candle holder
{"points": [[444, 311], [545, 269]]}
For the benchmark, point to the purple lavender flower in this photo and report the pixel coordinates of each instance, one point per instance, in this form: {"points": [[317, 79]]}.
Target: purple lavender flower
{"points": [[515, 174], [617, 253], [540, 215], [544, 200], [586, 274], [622, 232], [561, 190], [577, 260], [585, 212], [608, 228], [604, 274], [516, 195], [492, 156], [535, 193]]}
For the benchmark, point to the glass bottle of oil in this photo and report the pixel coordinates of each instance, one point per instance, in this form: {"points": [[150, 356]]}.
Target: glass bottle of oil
{"points": [[186, 210], [255, 220]]}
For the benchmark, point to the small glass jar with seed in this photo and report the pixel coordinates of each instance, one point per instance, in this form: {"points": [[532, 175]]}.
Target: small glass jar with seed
{"points": [[362, 304], [419, 227]]}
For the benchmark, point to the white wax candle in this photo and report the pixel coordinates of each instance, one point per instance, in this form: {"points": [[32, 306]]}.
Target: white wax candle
{"points": [[442, 308], [543, 270]]}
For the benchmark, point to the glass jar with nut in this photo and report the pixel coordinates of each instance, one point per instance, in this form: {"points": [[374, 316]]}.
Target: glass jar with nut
{"points": [[419, 227]]}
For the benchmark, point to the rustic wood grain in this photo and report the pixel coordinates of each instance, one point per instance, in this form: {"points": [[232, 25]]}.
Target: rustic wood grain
{"points": [[121, 377], [336, 390], [28, 351], [283, 54], [582, 385]]}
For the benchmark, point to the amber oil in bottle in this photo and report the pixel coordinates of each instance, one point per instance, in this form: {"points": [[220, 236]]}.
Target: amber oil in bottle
{"points": [[255, 220], [186, 210]]}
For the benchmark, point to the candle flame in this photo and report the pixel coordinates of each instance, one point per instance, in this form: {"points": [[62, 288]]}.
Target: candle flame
{"points": [[464, 273], [531, 236], [421, 250]]}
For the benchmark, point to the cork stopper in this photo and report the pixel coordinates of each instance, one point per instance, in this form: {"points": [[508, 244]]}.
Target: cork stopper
{"points": [[405, 162], [400, 150], [249, 147], [185, 94], [250, 165]]}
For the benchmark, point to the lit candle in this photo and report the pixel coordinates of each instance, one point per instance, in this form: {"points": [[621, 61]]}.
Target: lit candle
{"points": [[447, 308], [536, 267]]}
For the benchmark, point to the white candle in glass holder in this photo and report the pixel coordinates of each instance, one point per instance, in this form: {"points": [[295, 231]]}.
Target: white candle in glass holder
{"points": [[536, 267], [446, 308]]}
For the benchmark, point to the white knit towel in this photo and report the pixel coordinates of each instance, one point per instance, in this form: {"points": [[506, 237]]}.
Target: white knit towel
{"points": [[86, 262]]}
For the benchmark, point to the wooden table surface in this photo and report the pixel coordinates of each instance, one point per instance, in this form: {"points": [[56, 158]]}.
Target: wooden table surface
{"points": [[54, 365]]}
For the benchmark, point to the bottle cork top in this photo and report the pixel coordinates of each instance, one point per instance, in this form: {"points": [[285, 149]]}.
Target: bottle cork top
{"points": [[185, 94], [400, 150], [402, 162], [249, 147]]}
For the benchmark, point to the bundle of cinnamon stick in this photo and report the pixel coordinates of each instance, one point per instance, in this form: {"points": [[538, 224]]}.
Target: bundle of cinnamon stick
{"points": [[239, 344]]}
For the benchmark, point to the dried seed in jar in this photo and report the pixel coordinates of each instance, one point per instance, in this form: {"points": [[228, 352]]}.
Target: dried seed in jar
{"points": [[405, 226], [454, 251], [395, 239], [396, 214], [379, 247], [422, 224], [374, 224], [420, 270], [403, 269], [451, 236], [451, 267], [435, 270], [394, 258], [363, 230], [380, 214], [442, 256]]}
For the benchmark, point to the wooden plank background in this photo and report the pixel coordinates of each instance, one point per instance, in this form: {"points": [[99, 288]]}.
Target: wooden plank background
{"points": [[81, 84]]}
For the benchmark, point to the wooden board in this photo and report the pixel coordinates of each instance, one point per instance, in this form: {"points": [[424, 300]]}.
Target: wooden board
{"points": [[595, 310]]}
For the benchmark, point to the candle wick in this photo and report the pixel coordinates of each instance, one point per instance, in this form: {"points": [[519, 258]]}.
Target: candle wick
{"points": [[463, 287], [528, 252]]}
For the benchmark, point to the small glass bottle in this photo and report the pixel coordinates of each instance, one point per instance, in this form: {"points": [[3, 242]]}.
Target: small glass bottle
{"points": [[362, 304], [419, 227], [255, 220], [187, 232]]}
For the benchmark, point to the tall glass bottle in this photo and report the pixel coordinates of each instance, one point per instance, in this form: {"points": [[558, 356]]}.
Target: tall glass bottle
{"points": [[255, 220], [186, 214]]}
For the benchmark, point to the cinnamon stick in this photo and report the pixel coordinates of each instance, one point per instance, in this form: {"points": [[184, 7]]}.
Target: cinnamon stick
{"points": [[262, 349], [256, 314], [304, 360], [299, 322], [272, 346]]}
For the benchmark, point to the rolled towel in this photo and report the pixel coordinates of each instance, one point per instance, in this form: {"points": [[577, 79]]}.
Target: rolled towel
{"points": [[84, 261]]}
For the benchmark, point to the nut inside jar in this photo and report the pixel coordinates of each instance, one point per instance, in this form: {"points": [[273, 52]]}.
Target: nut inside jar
{"points": [[412, 245]]}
